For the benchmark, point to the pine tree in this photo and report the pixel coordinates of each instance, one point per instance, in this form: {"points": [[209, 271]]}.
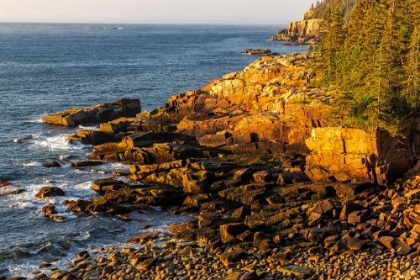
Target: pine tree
{"points": [[412, 71], [376, 66], [332, 35], [411, 90]]}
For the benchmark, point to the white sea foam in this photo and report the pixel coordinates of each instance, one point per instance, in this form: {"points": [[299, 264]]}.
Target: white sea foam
{"points": [[65, 165], [24, 270], [58, 143], [95, 128], [35, 120], [32, 163], [27, 205]]}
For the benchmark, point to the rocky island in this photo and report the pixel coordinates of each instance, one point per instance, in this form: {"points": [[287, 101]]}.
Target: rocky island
{"points": [[278, 191], [258, 52]]}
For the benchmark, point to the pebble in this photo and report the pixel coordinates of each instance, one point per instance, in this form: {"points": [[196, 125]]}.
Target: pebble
{"points": [[180, 260]]}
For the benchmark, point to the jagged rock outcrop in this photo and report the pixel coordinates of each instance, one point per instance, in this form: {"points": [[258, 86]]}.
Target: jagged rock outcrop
{"points": [[355, 155], [265, 105], [263, 110], [95, 114], [300, 32], [258, 52]]}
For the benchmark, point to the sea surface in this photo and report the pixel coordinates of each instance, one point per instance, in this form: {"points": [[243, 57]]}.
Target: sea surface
{"points": [[46, 68]]}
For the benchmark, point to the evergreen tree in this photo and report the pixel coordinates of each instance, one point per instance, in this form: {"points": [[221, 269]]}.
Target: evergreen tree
{"points": [[332, 35], [411, 90], [374, 61]]}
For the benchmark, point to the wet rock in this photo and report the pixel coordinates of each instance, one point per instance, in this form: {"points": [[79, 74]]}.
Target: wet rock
{"points": [[95, 114], [49, 192], [52, 164], [58, 274], [196, 200], [57, 218], [95, 205], [93, 137], [143, 237], [83, 254], [257, 51], [85, 163], [8, 189], [103, 185], [48, 210]]}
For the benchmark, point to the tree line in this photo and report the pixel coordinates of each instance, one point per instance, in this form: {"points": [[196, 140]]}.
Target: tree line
{"points": [[373, 61], [320, 9]]}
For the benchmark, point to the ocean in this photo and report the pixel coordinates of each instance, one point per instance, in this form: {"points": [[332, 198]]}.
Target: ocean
{"points": [[46, 68]]}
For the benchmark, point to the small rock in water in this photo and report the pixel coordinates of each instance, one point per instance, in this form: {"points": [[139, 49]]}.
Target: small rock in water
{"points": [[50, 191]]}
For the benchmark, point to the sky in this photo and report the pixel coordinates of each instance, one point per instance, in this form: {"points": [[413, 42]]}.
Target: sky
{"points": [[249, 12]]}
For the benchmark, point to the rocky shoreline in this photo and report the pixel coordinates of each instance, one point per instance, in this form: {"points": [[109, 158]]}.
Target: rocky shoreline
{"points": [[278, 192]]}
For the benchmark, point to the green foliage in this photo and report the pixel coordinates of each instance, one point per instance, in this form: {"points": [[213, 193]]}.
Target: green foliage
{"points": [[332, 35], [310, 49], [322, 8], [374, 61]]}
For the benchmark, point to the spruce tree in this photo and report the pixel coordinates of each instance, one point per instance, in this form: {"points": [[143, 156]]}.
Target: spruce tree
{"points": [[376, 65]]}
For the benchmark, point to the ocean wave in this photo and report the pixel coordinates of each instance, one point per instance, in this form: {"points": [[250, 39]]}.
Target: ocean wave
{"points": [[95, 128], [59, 143], [35, 120], [32, 163], [24, 205]]}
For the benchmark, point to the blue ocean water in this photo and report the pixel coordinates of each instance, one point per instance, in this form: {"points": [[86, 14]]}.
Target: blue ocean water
{"points": [[45, 68]]}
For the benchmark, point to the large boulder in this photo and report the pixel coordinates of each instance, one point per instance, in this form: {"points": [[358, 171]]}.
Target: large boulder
{"points": [[95, 114], [355, 155], [49, 192]]}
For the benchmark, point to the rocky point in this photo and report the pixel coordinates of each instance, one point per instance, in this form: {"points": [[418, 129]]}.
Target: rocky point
{"points": [[277, 192]]}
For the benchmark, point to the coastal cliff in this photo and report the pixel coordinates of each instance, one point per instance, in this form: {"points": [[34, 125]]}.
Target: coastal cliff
{"points": [[307, 30], [300, 32]]}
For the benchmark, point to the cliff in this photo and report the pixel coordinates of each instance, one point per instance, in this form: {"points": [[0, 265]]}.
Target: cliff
{"points": [[306, 31], [356, 156], [300, 32]]}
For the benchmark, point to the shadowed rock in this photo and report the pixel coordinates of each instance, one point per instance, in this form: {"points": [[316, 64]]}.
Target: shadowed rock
{"points": [[50, 191], [95, 114]]}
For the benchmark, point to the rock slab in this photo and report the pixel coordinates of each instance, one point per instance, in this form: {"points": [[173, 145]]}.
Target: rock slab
{"points": [[100, 113]]}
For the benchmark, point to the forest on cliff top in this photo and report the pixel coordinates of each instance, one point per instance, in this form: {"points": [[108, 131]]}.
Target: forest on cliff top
{"points": [[373, 61], [320, 9]]}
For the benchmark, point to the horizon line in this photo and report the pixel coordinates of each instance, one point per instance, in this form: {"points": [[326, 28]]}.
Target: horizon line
{"points": [[146, 23]]}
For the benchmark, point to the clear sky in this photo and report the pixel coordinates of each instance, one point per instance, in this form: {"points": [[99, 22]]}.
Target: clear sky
{"points": [[154, 11]]}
